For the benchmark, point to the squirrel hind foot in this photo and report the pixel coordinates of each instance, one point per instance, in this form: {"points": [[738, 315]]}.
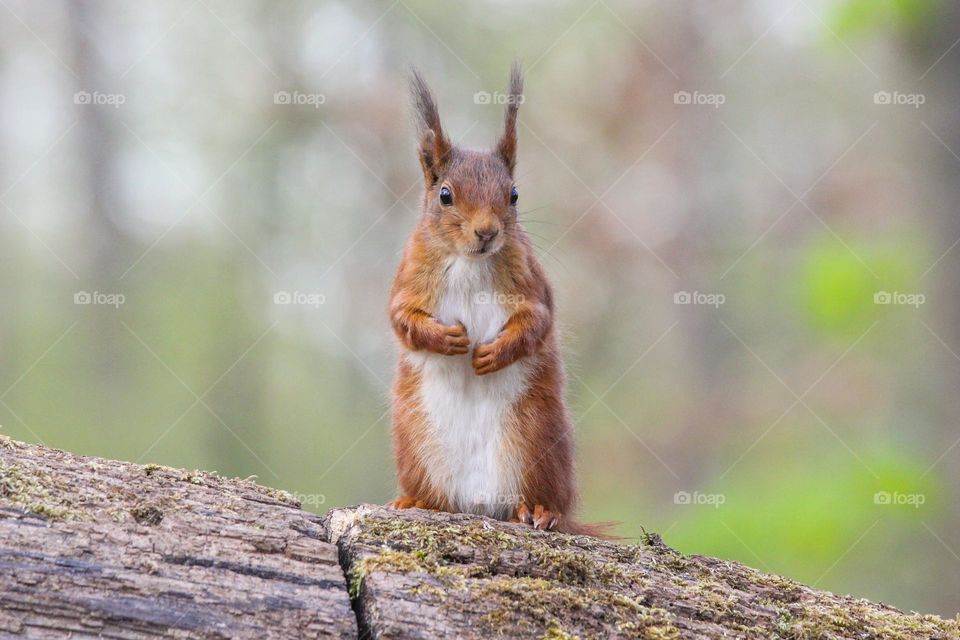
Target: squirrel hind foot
{"points": [[402, 502], [539, 518], [410, 502]]}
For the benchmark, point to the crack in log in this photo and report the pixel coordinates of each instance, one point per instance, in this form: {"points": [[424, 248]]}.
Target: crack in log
{"points": [[249, 570]]}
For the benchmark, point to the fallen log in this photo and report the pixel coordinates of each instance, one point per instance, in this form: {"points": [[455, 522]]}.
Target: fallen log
{"points": [[97, 548], [416, 574]]}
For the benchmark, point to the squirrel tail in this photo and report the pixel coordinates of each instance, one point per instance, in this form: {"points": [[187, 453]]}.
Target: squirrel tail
{"points": [[600, 530]]}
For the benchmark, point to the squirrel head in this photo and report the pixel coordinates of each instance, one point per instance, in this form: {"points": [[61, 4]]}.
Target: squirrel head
{"points": [[470, 198]]}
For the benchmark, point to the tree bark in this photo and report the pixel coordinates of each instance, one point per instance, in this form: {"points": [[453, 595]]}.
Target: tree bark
{"points": [[97, 548], [417, 574]]}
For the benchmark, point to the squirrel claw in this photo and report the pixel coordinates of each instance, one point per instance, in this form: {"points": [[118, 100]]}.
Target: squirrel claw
{"points": [[523, 514], [541, 518]]}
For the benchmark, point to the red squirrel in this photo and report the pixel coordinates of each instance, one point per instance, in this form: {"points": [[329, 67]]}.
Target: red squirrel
{"points": [[479, 420]]}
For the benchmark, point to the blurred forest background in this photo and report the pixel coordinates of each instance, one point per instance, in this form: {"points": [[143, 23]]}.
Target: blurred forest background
{"points": [[747, 208]]}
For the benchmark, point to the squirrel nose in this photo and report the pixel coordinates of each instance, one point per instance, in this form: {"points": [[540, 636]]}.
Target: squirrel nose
{"points": [[486, 234]]}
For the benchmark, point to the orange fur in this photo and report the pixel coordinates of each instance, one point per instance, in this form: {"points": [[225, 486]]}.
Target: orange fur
{"points": [[537, 430]]}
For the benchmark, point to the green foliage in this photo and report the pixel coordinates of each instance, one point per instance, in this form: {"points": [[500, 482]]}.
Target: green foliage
{"points": [[865, 17], [837, 283], [801, 518]]}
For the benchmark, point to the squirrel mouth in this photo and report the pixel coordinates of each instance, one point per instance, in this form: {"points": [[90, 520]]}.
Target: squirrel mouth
{"points": [[482, 250], [482, 247]]}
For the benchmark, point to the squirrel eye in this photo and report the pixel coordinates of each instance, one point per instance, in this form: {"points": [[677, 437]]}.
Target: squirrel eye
{"points": [[446, 198], [514, 194]]}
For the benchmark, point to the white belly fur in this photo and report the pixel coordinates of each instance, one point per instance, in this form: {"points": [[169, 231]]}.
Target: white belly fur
{"points": [[466, 412]]}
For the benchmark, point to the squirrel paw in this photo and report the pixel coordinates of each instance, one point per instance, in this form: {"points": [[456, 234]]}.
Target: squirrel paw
{"points": [[540, 518], [488, 357], [454, 340], [409, 502]]}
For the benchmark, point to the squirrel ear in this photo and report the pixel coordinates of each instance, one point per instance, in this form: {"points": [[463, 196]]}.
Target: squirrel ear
{"points": [[435, 148], [434, 155], [507, 146]]}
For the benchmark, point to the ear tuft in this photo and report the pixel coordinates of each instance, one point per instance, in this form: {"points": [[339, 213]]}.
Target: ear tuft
{"points": [[507, 146], [435, 148]]}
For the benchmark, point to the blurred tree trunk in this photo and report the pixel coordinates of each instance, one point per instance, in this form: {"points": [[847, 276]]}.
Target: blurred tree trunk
{"points": [[941, 199], [946, 33], [108, 247], [702, 336], [250, 213]]}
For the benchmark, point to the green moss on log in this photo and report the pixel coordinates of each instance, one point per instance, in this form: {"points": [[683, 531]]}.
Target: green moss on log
{"points": [[559, 586]]}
